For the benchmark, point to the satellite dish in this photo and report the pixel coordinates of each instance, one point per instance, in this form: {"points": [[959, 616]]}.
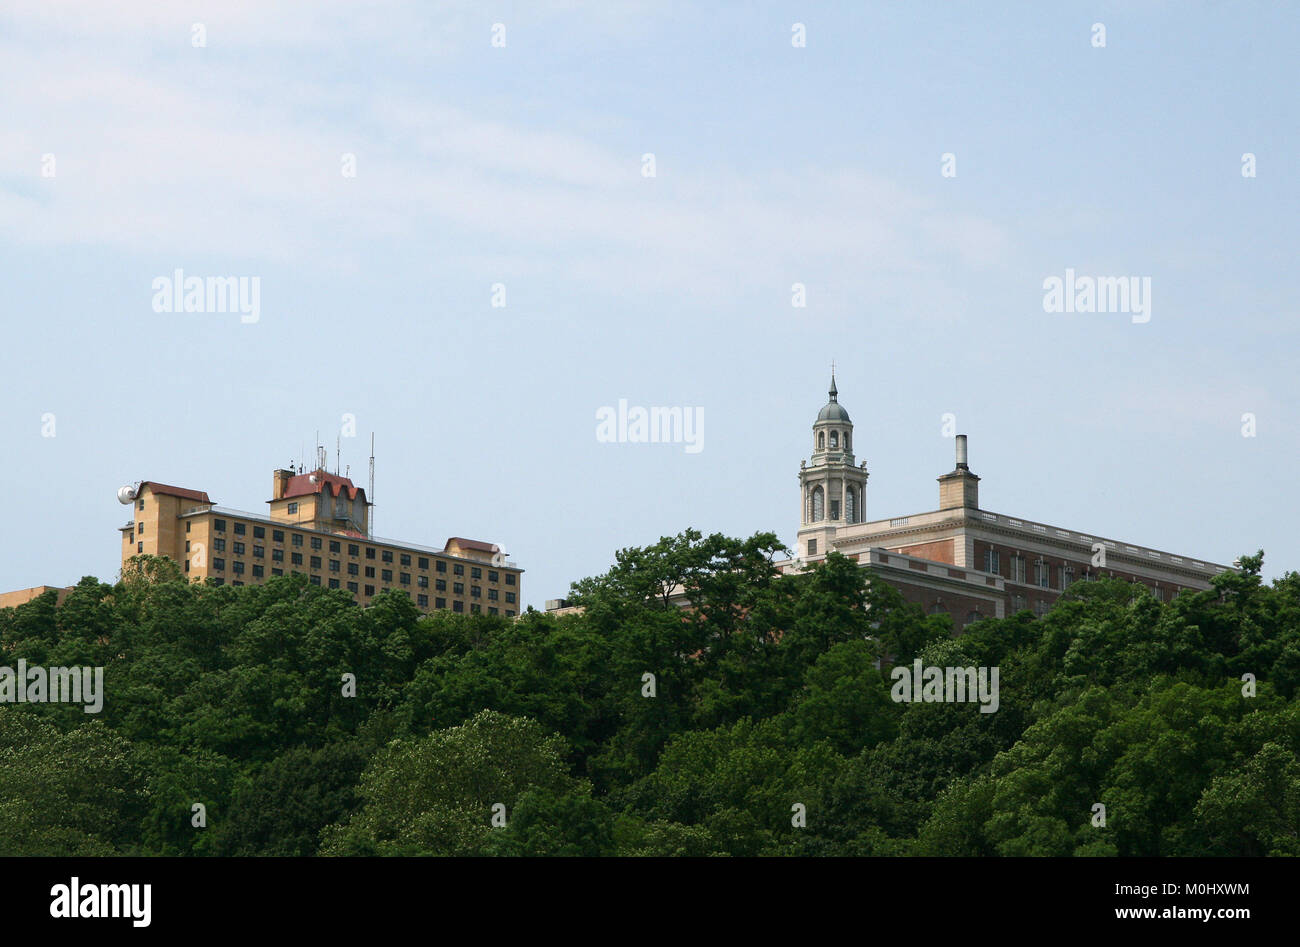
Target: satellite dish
{"points": [[126, 494], [312, 478]]}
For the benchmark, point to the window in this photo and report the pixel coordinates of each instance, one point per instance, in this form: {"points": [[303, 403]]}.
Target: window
{"points": [[188, 524], [239, 529], [259, 552], [334, 565], [458, 588], [315, 542], [334, 583], [422, 601], [424, 562], [492, 595], [406, 558], [370, 572], [352, 587], [457, 606], [494, 576], [835, 440], [1018, 568], [1067, 576], [335, 545], [821, 440], [370, 552], [475, 572], [475, 591], [277, 555], [217, 581], [370, 590], [442, 566], [139, 547], [491, 610], [140, 529], [818, 505], [219, 525], [187, 545], [353, 569], [440, 584], [422, 581], [405, 578], [277, 572], [510, 578], [237, 567], [259, 532], [973, 616], [1017, 603], [277, 535], [1157, 593], [296, 558], [219, 544], [476, 608], [509, 613], [354, 549], [218, 565], [991, 563], [1041, 607], [439, 603], [387, 555], [141, 506], [238, 548], [835, 509], [293, 507], [387, 575], [850, 505], [1042, 574], [315, 580], [458, 569], [257, 571], [510, 597], [315, 562], [297, 539], [812, 547]]}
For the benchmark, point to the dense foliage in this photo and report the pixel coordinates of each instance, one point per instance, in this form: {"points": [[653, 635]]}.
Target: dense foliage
{"points": [[475, 734]]}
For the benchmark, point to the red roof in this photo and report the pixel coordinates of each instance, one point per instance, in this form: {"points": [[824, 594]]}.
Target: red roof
{"points": [[472, 544], [197, 495], [301, 485]]}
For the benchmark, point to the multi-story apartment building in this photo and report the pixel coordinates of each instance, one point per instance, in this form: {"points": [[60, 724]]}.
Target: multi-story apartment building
{"points": [[318, 526], [961, 559]]}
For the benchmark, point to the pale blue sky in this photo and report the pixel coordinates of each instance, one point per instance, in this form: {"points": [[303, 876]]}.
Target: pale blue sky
{"points": [[775, 165]]}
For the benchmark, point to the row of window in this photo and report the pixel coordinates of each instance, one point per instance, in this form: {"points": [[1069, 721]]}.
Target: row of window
{"points": [[1045, 572], [421, 600], [336, 546]]}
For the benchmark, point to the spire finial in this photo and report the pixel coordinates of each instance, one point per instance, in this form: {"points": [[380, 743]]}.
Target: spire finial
{"points": [[833, 392]]}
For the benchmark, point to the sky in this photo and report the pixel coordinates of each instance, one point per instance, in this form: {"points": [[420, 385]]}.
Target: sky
{"points": [[461, 244]]}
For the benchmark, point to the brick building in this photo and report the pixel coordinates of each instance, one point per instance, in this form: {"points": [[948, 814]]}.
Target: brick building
{"points": [[959, 558], [318, 526]]}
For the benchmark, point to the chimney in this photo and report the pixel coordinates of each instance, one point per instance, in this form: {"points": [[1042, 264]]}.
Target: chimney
{"points": [[280, 483], [959, 489]]}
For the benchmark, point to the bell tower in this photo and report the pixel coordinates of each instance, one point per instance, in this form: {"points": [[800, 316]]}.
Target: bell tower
{"points": [[832, 491]]}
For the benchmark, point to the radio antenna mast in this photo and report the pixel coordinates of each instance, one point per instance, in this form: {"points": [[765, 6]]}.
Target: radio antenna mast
{"points": [[370, 496]]}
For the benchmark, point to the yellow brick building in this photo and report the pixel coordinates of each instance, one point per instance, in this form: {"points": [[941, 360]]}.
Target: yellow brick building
{"points": [[318, 526]]}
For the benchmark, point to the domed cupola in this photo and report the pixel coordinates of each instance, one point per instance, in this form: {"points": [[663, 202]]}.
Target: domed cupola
{"points": [[832, 485], [834, 411]]}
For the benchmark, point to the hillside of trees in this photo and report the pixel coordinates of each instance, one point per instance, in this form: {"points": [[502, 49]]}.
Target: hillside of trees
{"points": [[765, 697]]}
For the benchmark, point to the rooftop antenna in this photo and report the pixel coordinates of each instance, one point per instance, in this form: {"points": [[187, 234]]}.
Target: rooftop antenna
{"points": [[370, 495], [338, 452]]}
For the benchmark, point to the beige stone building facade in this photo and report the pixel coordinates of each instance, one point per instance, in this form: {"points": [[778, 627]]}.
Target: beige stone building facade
{"points": [[960, 558], [318, 525]]}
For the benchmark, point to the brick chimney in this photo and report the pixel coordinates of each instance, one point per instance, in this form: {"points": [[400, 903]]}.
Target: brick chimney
{"points": [[280, 483], [959, 489]]}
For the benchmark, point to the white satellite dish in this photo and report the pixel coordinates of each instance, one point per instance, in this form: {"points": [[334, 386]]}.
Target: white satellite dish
{"points": [[127, 493]]}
